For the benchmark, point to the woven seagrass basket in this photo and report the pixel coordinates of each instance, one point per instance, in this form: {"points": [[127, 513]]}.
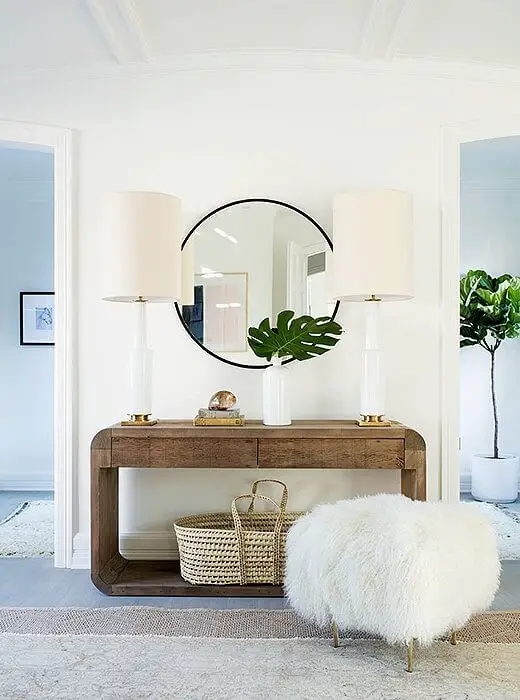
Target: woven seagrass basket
{"points": [[236, 547]]}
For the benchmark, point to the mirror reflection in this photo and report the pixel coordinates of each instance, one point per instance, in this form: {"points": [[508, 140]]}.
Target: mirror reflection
{"points": [[246, 261]]}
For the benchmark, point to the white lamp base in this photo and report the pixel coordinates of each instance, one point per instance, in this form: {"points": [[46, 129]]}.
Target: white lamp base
{"points": [[373, 379], [141, 362]]}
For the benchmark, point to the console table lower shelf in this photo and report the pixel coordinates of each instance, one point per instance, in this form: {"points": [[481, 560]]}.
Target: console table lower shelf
{"points": [[162, 578], [311, 445]]}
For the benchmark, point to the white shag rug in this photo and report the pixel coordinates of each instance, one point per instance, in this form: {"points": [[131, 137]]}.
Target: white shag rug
{"points": [[29, 531], [161, 668], [507, 527]]}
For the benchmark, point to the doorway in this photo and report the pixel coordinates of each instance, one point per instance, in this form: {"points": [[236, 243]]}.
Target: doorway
{"points": [[26, 347], [489, 376], [480, 171], [57, 145]]}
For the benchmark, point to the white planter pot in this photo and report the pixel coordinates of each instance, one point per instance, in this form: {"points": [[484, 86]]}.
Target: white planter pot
{"points": [[495, 480], [276, 408]]}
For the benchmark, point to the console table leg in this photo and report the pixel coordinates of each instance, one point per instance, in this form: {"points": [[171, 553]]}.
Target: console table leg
{"points": [[409, 483], [104, 516], [413, 476]]}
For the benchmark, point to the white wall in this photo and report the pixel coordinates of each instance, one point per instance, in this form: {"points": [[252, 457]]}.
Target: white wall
{"points": [[490, 240], [26, 264], [299, 135]]}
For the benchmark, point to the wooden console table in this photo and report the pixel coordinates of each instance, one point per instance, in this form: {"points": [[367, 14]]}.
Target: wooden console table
{"points": [[173, 444]]}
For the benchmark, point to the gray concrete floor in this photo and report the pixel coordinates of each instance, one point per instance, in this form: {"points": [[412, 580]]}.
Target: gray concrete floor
{"points": [[36, 583]]}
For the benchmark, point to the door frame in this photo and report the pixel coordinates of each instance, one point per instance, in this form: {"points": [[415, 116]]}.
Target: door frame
{"points": [[61, 142], [452, 137]]}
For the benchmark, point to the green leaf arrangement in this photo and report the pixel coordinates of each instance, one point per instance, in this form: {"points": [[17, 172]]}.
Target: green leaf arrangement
{"points": [[489, 309], [301, 338], [489, 314]]}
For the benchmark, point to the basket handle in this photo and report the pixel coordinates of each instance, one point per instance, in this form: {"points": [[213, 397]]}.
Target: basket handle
{"points": [[283, 500], [240, 534]]}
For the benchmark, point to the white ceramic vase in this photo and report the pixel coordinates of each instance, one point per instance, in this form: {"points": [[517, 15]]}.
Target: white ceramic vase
{"points": [[495, 480], [276, 408]]}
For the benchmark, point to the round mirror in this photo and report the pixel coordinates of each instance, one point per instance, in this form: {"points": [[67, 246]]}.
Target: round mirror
{"points": [[246, 261]]}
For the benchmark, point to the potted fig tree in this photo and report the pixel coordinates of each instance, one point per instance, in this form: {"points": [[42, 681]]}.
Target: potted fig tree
{"points": [[490, 315]]}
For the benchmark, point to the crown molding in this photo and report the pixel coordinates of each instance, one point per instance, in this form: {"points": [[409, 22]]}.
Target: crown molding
{"points": [[282, 60]]}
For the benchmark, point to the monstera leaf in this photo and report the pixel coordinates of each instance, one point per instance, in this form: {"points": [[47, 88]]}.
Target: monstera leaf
{"points": [[302, 338]]}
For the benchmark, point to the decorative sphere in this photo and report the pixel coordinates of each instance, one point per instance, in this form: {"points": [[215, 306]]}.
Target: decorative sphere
{"points": [[222, 401]]}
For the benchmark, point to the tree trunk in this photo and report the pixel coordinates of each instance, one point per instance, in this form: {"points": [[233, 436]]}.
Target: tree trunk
{"points": [[495, 412]]}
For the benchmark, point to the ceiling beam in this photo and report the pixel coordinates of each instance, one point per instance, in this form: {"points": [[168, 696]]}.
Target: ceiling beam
{"points": [[377, 17], [387, 24], [134, 21], [121, 27], [401, 28]]}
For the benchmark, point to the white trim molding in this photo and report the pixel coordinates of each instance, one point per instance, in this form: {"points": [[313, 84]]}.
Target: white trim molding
{"points": [[452, 137], [159, 545], [273, 60], [148, 545], [61, 142], [81, 551]]}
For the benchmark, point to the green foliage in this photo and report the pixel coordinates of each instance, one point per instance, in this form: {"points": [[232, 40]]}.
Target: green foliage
{"points": [[489, 313], [489, 309], [301, 338]]}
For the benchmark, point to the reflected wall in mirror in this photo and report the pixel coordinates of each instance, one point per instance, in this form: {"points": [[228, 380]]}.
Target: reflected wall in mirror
{"points": [[246, 261]]}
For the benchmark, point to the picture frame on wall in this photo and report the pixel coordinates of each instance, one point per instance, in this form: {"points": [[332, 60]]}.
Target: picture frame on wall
{"points": [[36, 318]]}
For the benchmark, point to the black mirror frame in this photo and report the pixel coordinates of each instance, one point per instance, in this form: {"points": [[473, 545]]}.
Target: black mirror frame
{"points": [[227, 206]]}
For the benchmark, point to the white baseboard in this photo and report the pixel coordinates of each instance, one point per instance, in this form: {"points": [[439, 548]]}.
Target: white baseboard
{"points": [[465, 482], [132, 545], [148, 545], [81, 551], [26, 485]]}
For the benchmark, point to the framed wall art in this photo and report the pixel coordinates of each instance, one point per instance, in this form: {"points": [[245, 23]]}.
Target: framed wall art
{"points": [[36, 318]]}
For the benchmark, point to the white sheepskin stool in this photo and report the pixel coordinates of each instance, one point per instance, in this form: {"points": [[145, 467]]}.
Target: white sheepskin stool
{"points": [[393, 567]]}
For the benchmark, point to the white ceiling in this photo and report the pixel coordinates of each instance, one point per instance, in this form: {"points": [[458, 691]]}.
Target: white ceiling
{"points": [[52, 35]]}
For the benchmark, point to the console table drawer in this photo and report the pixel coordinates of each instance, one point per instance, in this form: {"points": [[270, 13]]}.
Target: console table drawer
{"points": [[184, 452], [331, 453]]}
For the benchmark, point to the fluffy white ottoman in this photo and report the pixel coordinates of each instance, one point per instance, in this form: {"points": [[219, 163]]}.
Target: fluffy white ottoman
{"points": [[393, 567]]}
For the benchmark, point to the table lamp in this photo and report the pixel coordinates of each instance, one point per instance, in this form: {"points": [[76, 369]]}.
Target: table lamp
{"points": [[373, 262], [141, 264]]}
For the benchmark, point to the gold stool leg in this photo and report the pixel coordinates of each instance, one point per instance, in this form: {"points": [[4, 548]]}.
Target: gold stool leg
{"points": [[453, 638], [336, 635], [410, 655]]}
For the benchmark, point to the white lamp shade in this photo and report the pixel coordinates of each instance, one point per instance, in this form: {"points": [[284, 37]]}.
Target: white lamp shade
{"points": [[188, 273], [373, 245], [140, 248]]}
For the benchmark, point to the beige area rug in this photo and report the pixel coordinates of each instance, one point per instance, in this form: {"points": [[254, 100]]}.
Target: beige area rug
{"points": [[491, 627], [159, 668], [155, 653]]}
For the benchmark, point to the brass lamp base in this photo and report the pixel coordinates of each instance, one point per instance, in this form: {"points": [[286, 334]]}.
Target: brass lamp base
{"points": [[374, 422], [141, 419]]}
